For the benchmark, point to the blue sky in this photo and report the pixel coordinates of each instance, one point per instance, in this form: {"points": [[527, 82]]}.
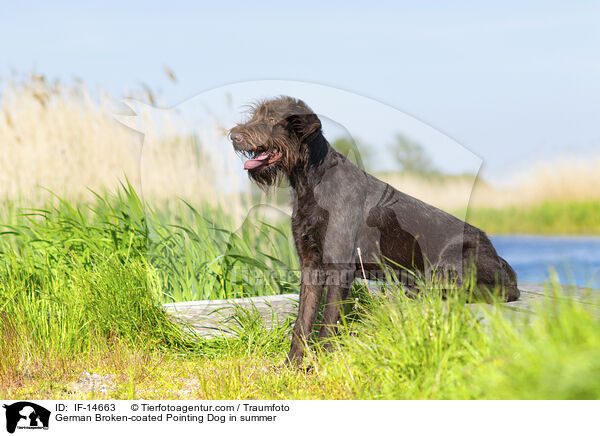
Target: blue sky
{"points": [[514, 82]]}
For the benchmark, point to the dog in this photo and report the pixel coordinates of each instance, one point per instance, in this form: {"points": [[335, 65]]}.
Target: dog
{"points": [[346, 221]]}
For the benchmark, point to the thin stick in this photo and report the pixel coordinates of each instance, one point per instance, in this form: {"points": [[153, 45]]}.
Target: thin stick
{"points": [[363, 269]]}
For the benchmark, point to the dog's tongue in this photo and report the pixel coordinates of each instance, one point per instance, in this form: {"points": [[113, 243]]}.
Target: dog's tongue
{"points": [[259, 160]]}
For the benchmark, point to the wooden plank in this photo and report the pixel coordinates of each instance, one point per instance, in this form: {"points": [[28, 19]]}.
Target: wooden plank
{"points": [[534, 291], [211, 318]]}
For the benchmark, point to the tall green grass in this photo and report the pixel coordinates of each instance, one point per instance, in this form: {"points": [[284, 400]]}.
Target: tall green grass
{"points": [[187, 253], [439, 348], [76, 277], [389, 347]]}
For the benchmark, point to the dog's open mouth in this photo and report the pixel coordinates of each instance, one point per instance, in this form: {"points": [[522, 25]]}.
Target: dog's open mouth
{"points": [[263, 159]]}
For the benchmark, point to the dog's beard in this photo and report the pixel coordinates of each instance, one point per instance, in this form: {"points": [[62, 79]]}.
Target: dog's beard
{"points": [[266, 177]]}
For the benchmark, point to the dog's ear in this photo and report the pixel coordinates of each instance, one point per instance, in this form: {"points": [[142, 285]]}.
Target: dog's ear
{"points": [[304, 125]]}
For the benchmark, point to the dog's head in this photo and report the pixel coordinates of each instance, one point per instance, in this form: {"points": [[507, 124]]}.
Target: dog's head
{"points": [[274, 138]]}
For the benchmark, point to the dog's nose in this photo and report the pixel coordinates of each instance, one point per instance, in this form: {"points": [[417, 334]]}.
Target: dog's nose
{"points": [[236, 138]]}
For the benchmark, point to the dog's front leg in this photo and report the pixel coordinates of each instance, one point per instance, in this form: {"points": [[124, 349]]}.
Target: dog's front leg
{"points": [[338, 285], [311, 291]]}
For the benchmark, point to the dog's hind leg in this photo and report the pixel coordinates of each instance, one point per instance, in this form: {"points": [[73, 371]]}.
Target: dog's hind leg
{"points": [[509, 281], [495, 278]]}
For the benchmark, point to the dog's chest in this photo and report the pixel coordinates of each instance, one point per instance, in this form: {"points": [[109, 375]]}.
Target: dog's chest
{"points": [[309, 224]]}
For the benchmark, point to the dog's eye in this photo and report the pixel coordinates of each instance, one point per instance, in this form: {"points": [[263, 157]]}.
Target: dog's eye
{"points": [[272, 120]]}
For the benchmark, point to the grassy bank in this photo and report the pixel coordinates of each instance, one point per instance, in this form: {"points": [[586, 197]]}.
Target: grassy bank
{"points": [[427, 348], [80, 317], [546, 218]]}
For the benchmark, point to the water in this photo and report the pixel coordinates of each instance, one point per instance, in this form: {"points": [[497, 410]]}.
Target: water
{"points": [[576, 260]]}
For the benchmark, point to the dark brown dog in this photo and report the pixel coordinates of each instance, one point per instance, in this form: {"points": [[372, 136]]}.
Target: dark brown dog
{"points": [[339, 209]]}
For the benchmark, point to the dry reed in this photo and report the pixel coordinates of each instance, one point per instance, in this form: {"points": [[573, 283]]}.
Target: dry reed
{"points": [[59, 138]]}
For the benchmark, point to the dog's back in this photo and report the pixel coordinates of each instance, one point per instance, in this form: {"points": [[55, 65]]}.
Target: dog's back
{"points": [[414, 234]]}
